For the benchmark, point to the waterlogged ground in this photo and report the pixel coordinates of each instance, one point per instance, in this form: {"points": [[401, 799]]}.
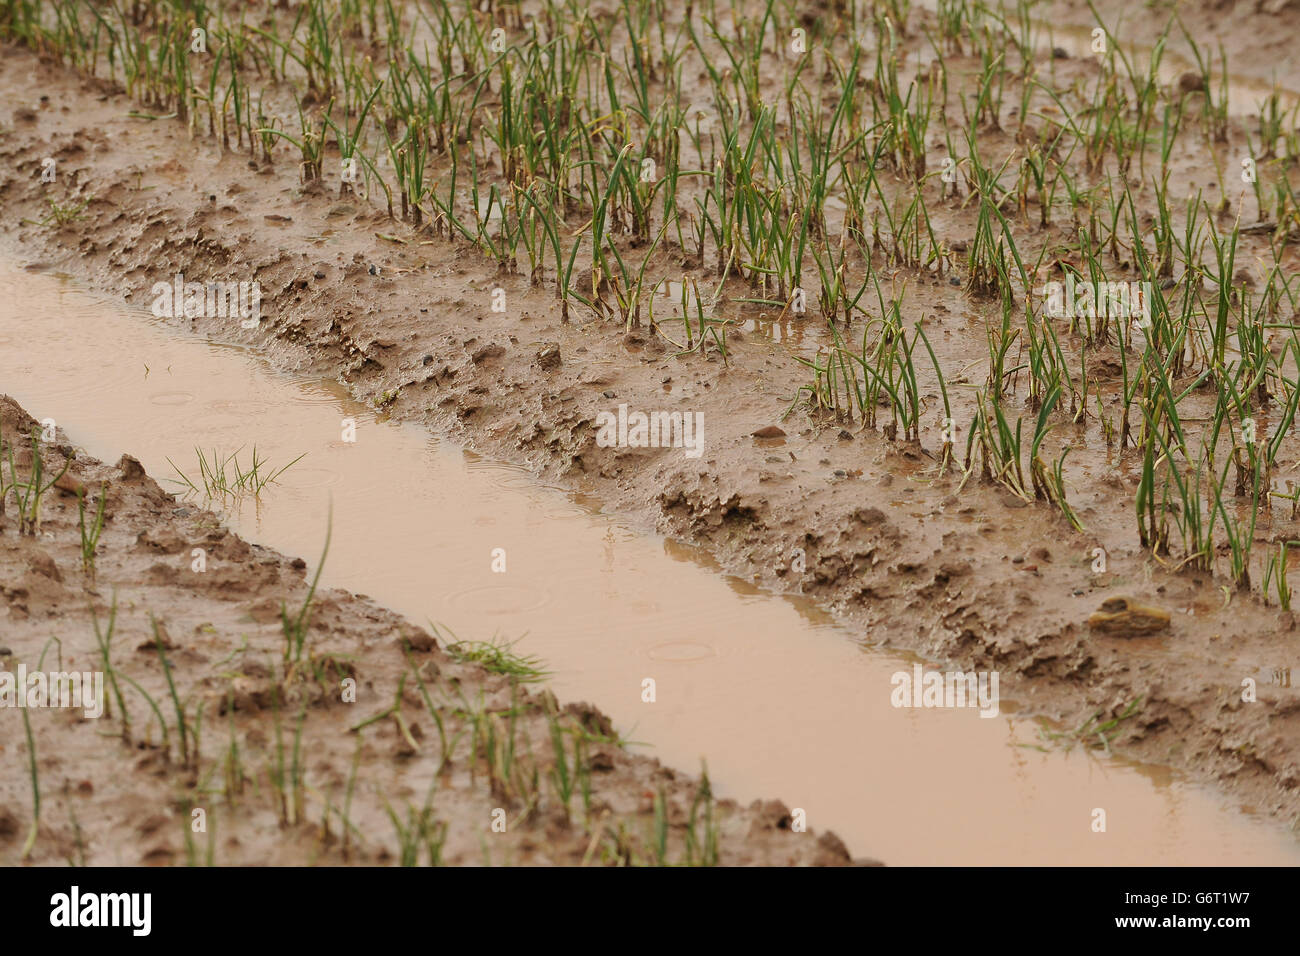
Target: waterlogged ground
{"points": [[227, 742], [970, 560], [768, 691]]}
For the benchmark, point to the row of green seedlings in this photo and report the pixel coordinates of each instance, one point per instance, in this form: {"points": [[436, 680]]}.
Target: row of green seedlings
{"points": [[409, 158], [517, 777], [1196, 343], [188, 725], [754, 228], [987, 256], [879, 371]]}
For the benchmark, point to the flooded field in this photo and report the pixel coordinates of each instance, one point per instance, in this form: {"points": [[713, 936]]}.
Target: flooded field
{"points": [[775, 697], [983, 317]]}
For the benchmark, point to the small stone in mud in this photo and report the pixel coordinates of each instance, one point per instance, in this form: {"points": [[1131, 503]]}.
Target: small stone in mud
{"points": [[1124, 616], [769, 815], [548, 356], [608, 393], [768, 431], [130, 468], [846, 435], [69, 485], [416, 637], [373, 270], [164, 539], [44, 565]]}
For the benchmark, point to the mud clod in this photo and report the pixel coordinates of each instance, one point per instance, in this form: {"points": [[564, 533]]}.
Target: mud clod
{"points": [[1124, 616]]}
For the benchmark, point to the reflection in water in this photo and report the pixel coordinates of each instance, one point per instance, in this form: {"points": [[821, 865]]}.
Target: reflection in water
{"points": [[780, 701]]}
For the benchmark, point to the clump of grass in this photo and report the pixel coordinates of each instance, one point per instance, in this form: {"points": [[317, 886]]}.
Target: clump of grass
{"points": [[420, 832], [29, 493], [90, 535], [157, 712], [104, 640], [61, 214], [1094, 732], [563, 776], [499, 657], [702, 848], [182, 725], [1276, 574], [226, 478]]}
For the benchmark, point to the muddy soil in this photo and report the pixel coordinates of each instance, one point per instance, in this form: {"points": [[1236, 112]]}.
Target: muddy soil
{"points": [[259, 718], [970, 575]]}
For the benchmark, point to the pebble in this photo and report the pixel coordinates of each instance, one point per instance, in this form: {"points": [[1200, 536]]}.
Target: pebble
{"points": [[548, 356]]}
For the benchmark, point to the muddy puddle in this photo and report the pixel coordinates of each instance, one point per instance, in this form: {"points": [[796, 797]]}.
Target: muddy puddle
{"points": [[780, 702], [1079, 40]]}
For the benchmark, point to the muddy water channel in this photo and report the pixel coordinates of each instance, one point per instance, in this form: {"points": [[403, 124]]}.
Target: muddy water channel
{"points": [[780, 701]]}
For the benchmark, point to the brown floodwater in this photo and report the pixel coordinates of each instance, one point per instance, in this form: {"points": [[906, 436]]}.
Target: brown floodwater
{"points": [[1245, 93], [779, 700]]}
